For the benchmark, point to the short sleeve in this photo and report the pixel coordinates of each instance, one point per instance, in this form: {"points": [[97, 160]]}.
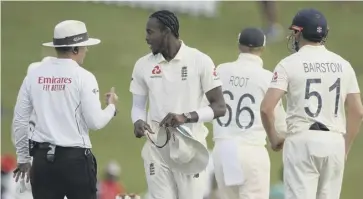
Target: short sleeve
{"points": [[279, 78], [138, 85], [353, 86], [209, 75]]}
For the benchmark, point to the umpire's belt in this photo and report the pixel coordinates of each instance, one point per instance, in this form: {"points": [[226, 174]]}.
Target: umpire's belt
{"points": [[41, 145], [46, 145]]}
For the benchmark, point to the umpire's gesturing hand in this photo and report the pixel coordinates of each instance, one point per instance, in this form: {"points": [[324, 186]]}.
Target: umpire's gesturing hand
{"points": [[111, 97]]}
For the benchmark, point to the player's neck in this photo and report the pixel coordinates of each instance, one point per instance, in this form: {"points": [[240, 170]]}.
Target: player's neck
{"points": [[66, 56], [172, 49], [308, 43], [256, 53]]}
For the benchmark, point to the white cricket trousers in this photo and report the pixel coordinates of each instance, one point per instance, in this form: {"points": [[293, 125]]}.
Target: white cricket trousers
{"points": [[313, 165], [164, 183], [255, 164]]}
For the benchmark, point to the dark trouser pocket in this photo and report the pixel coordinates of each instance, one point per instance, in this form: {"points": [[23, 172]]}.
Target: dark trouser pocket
{"points": [[92, 170]]}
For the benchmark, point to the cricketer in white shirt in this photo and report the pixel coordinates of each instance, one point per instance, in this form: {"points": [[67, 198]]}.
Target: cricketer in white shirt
{"points": [[66, 105], [169, 91], [242, 164], [318, 84], [174, 78]]}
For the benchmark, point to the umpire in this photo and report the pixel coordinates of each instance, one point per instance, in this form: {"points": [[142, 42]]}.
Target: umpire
{"points": [[64, 99]]}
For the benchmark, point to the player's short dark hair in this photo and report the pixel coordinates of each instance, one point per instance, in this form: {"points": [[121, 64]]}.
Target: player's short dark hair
{"points": [[167, 19]]}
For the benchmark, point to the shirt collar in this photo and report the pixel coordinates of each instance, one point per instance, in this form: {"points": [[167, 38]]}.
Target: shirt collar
{"points": [[312, 47], [160, 58], [47, 58], [250, 57], [56, 60]]}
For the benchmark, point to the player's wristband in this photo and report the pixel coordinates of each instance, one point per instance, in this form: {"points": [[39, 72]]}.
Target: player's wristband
{"points": [[205, 114]]}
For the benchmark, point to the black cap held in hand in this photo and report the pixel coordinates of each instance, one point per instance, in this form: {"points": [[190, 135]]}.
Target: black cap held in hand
{"points": [[252, 37]]}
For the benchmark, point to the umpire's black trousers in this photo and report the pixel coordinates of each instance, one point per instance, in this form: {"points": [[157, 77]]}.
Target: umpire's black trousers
{"points": [[72, 173]]}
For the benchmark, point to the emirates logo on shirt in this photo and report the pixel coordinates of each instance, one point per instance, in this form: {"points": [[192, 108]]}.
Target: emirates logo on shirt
{"points": [[52, 83]]}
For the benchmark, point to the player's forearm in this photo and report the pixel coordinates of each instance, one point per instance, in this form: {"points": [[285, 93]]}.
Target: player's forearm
{"points": [[208, 113], [138, 110], [219, 109], [354, 120], [138, 114], [268, 121], [280, 120]]}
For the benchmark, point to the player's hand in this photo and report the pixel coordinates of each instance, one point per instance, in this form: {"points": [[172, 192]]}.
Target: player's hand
{"points": [[21, 171], [173, 120], [277, 143], [111, 97], [140, 127]]}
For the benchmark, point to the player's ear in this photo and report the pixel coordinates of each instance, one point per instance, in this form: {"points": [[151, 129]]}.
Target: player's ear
{"points": [[75, 50], [167, 31]]}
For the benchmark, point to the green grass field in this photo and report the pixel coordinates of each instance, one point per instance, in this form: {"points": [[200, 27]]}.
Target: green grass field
{"points": [[26, 25]]}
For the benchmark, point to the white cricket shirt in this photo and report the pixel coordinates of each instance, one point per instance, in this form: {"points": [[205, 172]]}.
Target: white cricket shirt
{"points": [[31, 67], [245, 83], [317, 82], [65, 101], [177, 86]]}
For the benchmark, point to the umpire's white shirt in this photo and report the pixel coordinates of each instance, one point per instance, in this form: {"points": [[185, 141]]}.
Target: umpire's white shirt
{"points": [[31, 67], [65, 101]]}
